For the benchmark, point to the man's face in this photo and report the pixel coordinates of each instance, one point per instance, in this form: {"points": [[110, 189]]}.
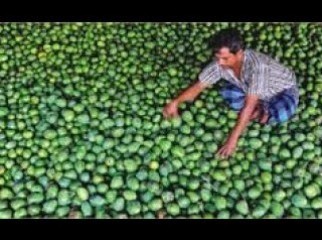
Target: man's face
{"points": [[226, 59]]}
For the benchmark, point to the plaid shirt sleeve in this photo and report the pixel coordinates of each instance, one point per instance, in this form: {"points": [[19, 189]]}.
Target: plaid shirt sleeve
{"points": [[210, 74]]}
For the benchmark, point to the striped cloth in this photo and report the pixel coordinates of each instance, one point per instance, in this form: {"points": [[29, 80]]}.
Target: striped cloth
{"points": [[280, 107], [260, 75]]}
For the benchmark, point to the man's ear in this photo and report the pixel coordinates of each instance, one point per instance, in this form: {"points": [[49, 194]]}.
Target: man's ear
{"points": [[239, 53]]}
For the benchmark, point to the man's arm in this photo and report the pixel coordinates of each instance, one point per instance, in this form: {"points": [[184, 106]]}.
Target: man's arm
{"points": [[189, 94], [243, 119]]}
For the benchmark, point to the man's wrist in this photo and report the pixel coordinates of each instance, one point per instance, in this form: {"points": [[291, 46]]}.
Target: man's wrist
{"points": [[176, 101], [234, 137]]}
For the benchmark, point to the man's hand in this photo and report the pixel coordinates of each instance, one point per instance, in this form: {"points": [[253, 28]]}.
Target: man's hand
{"points": [[228, 148], [171, 110], [189, 94]]}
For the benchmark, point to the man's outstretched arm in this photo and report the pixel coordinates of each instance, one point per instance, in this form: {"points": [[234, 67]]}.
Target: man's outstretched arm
{"points": [[243, 119], [189, 94]]}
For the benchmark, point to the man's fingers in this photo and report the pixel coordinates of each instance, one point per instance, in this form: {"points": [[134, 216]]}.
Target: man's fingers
{"points": [[175, 114], [220, 152], [164, 112], [228, 153], [223, 152], [224, 155], [168, 113]]}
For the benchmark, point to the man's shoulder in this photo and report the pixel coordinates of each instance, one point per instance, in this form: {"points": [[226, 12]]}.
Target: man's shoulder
{"points": [[258, 58], [255, 53], [263, 60], [212, 64]]}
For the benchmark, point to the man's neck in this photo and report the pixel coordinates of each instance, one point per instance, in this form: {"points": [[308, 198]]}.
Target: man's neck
{"points": [[237, 69]]}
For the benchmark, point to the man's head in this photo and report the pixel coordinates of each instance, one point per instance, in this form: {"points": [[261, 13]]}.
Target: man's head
{"points": [[228, 47]]}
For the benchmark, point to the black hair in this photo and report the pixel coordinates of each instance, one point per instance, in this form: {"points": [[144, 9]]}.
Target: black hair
{"points": [[229, 38]]}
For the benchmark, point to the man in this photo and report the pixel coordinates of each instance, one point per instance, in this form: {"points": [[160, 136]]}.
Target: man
{"points": [[257, 86]]}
